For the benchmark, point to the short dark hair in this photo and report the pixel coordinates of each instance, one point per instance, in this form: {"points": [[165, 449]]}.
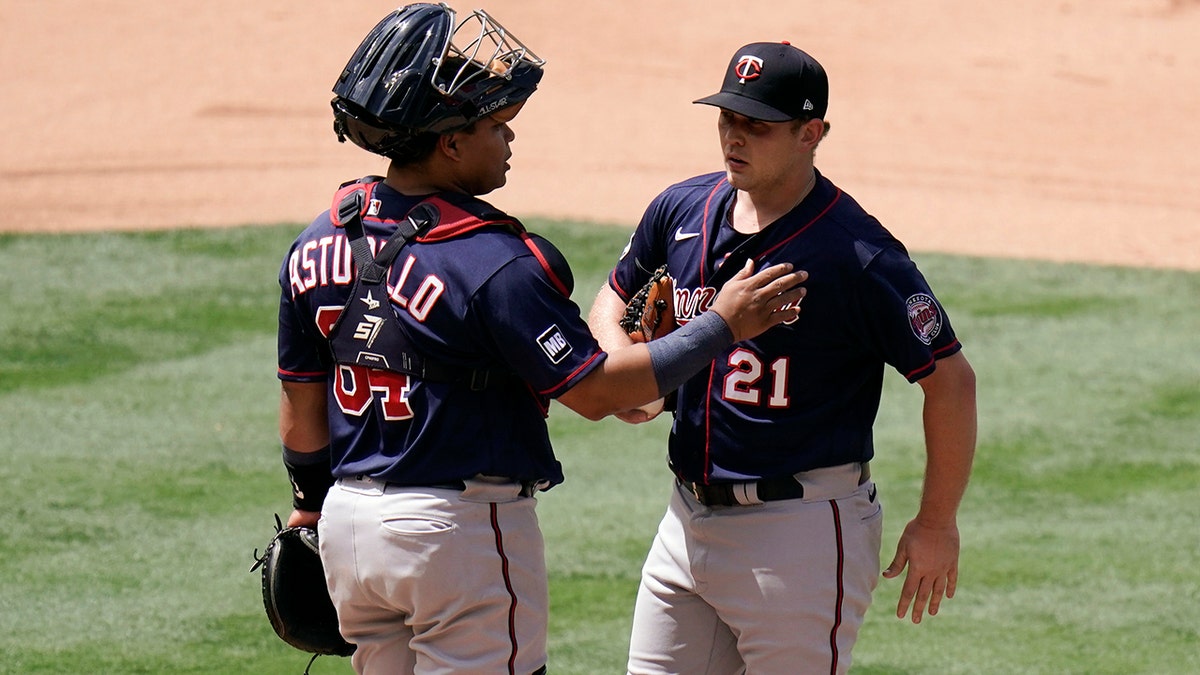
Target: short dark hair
{"points": [[419, 146], [412, 149], [801, 121]]}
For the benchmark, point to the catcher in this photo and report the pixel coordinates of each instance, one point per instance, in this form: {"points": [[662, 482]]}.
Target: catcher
{"points": [[417, 370]]}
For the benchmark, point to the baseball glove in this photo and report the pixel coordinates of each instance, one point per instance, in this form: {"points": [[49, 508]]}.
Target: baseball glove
{"points": [[295, 595], [650, 313]]}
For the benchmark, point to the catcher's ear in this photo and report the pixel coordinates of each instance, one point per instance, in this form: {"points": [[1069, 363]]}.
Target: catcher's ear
{"points": [[552, 260]]}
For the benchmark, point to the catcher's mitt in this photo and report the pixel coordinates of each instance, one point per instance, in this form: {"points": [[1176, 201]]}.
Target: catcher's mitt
{"points": [[650, 313], [295, 595]]}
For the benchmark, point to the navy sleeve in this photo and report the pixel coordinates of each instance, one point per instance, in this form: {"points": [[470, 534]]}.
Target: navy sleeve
{"points": [[300, 355], [644, 253], [899, 318], [537, 330]]}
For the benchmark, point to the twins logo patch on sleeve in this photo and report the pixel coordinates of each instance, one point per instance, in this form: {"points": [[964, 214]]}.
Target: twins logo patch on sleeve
{"points": [[924, 317], [554, 344]]}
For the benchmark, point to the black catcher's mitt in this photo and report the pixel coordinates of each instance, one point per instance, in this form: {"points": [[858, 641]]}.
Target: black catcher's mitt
{"points": [[650, 313], [294, 592]]}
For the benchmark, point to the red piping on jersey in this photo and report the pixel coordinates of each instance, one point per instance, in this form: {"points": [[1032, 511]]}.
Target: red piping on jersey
{"points": [[712, 371], [546, 392], [712, 368], [836, 197], [841, 588], [926, 366], [943, 350], [537, 253], [704, 227], [612, 281], [912, 373], [704, 230], [292, 373], [512, 605]]}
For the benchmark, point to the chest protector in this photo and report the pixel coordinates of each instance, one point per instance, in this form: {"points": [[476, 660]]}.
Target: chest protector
{"points": [[368, 333]]}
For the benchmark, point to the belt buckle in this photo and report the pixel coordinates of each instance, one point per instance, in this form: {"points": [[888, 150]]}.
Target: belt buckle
{"points": [[695, 488]]}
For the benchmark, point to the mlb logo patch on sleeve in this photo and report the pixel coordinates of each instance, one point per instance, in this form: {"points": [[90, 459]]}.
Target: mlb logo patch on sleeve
{"points": [[554, 344]]}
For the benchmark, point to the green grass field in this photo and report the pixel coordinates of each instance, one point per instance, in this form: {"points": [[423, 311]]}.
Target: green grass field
{"points": [[141, 468]]}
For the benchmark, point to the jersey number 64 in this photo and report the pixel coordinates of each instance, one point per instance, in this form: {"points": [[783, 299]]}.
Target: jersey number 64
{"points": [[356, 387]]}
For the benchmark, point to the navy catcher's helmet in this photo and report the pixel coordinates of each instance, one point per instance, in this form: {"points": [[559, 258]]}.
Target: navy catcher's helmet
{"points": [[419, 71]]}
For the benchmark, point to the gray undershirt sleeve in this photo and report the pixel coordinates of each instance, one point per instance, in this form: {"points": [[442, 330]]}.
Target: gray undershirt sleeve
{"points": [[680, 354]]}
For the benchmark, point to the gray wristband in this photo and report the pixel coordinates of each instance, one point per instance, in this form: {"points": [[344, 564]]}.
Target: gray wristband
{"points": [[683, 352]]}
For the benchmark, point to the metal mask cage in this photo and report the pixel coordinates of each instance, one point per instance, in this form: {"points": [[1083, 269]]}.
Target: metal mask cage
{"points": [[485, 49]]}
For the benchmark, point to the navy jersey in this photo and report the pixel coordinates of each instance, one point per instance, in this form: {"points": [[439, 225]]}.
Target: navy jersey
{"points": [[802, 395], [468, 295]]}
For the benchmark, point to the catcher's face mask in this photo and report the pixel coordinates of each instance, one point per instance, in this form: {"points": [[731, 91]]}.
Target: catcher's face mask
{"points": [[483, 69]]}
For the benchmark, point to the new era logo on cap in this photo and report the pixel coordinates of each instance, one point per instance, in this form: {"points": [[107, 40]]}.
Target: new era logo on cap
{"points": [[774, 82]]}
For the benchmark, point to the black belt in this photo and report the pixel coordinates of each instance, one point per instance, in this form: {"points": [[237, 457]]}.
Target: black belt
{"points": [[725, 494], [768, 490]]}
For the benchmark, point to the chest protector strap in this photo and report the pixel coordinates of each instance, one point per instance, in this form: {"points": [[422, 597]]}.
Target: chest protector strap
{"points": [[368, 332]]}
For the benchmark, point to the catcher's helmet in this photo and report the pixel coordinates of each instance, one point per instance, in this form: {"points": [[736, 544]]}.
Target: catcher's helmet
{"points": [[419, 71]]}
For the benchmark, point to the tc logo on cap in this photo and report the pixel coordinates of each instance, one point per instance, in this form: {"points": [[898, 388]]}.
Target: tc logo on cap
{"points": [[748, 68]]}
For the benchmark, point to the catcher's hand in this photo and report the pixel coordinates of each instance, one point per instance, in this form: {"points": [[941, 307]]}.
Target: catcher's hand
{"points": [[295, 595], [650, 313]]}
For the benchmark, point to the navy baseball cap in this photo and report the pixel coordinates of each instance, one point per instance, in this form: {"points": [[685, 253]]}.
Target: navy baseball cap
{"points": [[773, 82]]}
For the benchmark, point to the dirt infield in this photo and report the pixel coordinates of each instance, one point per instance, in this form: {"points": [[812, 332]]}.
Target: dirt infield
{"points": [[1058, 130]]}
